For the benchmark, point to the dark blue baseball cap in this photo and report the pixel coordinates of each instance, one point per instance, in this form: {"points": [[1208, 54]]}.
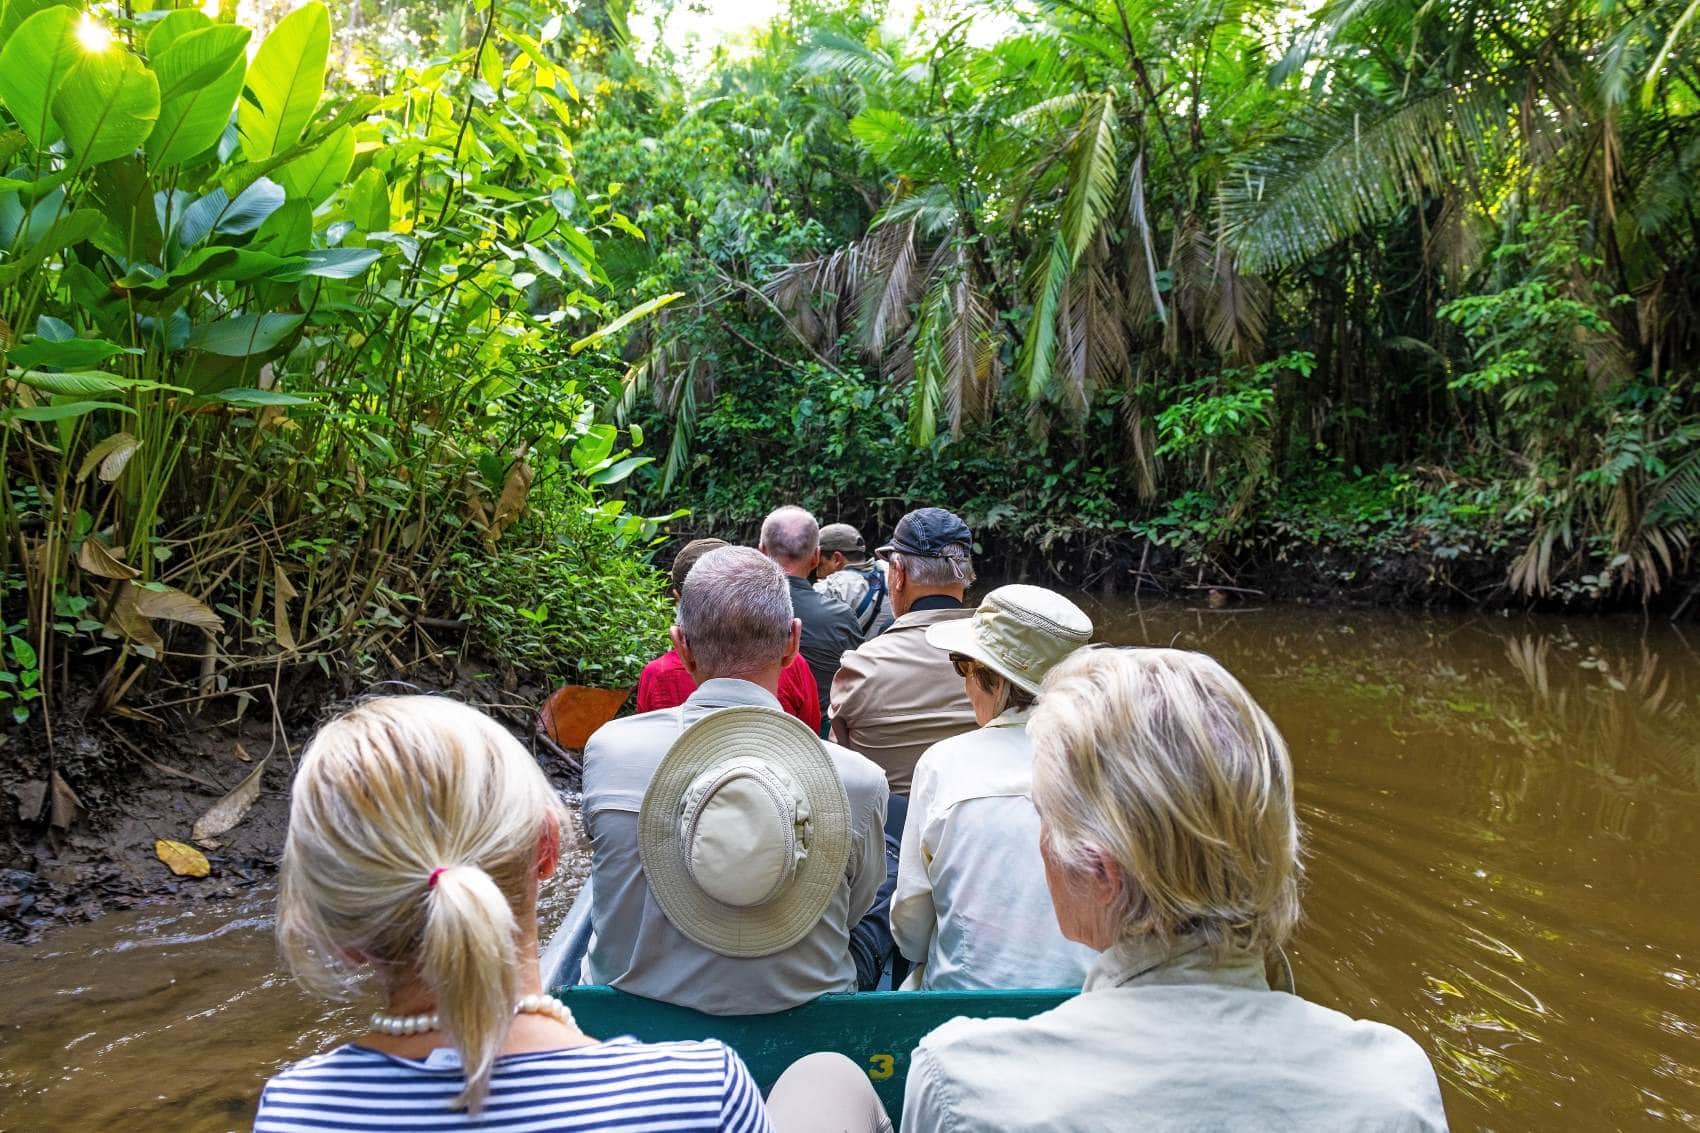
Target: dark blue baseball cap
{"points": [[930, 532]]}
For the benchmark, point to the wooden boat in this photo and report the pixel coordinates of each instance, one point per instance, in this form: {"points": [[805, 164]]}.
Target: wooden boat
{"points": [[877, 1030]]}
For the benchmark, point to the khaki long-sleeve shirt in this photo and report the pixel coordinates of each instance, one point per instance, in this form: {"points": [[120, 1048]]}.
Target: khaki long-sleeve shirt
{"points": [[1162, 1040], [637, 949], [971, 902], [896, 696]]}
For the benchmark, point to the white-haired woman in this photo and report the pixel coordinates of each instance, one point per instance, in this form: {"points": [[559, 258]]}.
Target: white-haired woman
{"points": [[419, 831], [1170, 845], [970, 904]]}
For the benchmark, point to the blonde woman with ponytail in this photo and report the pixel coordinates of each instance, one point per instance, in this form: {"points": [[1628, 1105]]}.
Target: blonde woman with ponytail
{"points": [[419, 832]]}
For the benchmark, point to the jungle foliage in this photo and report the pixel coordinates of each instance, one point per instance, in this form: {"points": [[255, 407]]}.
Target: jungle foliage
{"points": [[1394, 276], [296, 374]]}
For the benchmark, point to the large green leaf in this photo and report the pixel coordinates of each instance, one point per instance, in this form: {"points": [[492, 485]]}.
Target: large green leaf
{"points": [[284, 83], [60, 411], [83, 383], [225, 264], [200, 78], [108, 107], [243, 335], [340, 263], [71, 354], [14, 12], [368, 203], [65, 231], [318, 174], [34, 62]]}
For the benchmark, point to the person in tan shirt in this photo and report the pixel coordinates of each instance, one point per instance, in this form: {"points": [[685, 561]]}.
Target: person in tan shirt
{"points": [[896, 696]]}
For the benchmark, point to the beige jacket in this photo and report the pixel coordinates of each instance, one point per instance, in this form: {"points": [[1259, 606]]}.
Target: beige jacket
{"points": [[1172, 1041], [896, 696]]}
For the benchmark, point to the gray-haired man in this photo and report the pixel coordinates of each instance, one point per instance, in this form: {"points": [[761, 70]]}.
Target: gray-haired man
{"points": [[735, 632], [790, 537]]}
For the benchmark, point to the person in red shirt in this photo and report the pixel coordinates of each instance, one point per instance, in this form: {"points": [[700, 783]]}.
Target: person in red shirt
{"points": [[666, 684]]}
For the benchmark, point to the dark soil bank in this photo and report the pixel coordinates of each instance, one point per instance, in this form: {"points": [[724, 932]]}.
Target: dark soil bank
{"points": [[79, 818]]}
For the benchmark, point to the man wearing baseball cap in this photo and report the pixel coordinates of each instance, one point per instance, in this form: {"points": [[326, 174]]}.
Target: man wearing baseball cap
{"points": [[896, 696], [854, 577]]}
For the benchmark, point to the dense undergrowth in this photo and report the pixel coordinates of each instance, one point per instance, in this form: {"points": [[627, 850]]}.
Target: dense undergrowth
{"points": [[1240, 283], [297, 374]]}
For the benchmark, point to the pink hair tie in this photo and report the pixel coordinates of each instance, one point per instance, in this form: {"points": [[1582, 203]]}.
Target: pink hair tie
{"points": [[431, 882]]}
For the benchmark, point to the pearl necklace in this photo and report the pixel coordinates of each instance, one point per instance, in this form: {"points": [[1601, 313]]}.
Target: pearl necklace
{"points": [[423, 1024]]}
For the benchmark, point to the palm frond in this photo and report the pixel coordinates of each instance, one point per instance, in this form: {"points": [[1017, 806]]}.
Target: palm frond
{"points": [[1239, 313], [889, 287], [1349, 170], [838, 56], [968, 354], [1046, 279], [1145, 253], [927, 350], [1093, 176]]}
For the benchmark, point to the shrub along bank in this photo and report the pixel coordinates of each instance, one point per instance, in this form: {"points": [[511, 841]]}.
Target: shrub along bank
{"points": [[286, 388]]}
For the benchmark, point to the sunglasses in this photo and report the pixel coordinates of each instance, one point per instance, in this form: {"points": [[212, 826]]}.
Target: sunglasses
{"points": [[962, 664]]}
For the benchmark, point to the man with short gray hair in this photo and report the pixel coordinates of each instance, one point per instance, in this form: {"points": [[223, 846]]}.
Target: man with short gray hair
{"points": [[735, 632], [790, 537]]}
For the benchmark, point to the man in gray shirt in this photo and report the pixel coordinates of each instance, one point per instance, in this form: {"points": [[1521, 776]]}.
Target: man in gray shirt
{"points": [[735, 633], [790, 537]]}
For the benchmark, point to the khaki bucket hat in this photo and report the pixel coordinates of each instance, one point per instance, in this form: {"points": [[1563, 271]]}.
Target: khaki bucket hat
{"points": [[1020, 632], [744, 832]]}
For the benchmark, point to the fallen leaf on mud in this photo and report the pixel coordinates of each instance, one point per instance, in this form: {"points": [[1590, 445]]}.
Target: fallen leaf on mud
{"points": [[184, 860], [228, 811], [31, 796], [98, 559], [67, 807], [175, 606], [242, 754]]}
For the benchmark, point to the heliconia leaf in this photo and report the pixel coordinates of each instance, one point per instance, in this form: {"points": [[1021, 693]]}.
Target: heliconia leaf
{"points": [[35, 60], [110, 456], [225, 264], [284, 83], [107, 107], [60, 411], [619, 470], [256, 398], [72, 354], [243, 335], [340, 263], [79, 383], [200, 78], [320, 172], [63, 233]]}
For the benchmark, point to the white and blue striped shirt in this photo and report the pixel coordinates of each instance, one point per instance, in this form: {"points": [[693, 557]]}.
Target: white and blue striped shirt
{"points": [[621, 1084]]}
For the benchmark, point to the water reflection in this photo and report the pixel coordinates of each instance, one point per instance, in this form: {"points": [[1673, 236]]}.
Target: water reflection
{"points": [[1504, 859], [1502, 817]]}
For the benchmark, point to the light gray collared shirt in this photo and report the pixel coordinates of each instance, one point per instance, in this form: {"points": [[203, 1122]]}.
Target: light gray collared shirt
{"points": [[638, 950], [1172, 1040], [971, 901]]}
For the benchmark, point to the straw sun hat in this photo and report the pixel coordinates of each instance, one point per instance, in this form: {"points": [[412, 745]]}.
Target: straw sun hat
{"points": [[1019, 632], [744, 832]]}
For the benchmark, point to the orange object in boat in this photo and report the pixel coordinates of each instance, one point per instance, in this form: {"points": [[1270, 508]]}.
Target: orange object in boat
{"points": [[573, 712]]}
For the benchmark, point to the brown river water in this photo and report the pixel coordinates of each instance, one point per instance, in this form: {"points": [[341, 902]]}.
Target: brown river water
{"points": [[1503, 817]]}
